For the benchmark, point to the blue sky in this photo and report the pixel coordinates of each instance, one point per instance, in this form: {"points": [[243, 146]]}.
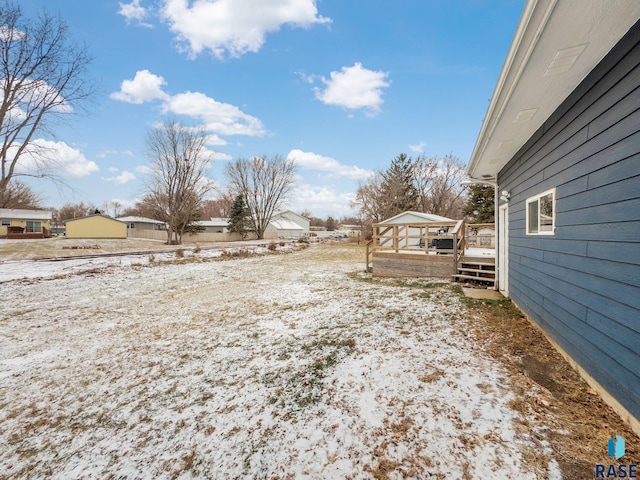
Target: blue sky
{"points": [[340, 86]]}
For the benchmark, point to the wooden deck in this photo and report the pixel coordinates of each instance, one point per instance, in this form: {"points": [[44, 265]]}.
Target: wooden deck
{"points": [[414, 250]]}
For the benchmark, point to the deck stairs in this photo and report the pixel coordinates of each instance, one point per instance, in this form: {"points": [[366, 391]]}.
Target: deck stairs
{"points": [[481, 270]]}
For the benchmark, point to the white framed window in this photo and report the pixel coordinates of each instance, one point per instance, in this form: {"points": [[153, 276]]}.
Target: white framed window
{"points": [[6, 222], [541, 213], [34, 227]]}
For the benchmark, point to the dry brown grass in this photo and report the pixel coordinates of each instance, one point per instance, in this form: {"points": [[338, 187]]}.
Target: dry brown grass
{"points": [[549, 389]]}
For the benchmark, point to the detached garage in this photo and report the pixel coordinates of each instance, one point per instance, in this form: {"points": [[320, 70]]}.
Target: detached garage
{"points": [[95, 226]]}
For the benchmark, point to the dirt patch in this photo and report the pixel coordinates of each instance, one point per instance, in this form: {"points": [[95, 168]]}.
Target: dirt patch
{"points": [[579, 421]]}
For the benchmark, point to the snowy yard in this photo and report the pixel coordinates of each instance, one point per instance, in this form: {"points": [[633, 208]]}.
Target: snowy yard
{"points": [[276, 367]]}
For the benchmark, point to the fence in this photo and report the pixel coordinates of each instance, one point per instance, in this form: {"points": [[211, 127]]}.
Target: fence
{"points": [[204, 237]]}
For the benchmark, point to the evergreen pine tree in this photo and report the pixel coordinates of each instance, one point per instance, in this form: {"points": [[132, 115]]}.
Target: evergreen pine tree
{"points": [[238, 217], [398, 190], [481, 205]]}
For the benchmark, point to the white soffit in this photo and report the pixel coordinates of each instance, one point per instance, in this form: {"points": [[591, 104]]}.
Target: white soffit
{"points": [[556, 45]]}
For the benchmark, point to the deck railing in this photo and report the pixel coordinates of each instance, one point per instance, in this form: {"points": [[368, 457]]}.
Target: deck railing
{"points": [[440, 238]]}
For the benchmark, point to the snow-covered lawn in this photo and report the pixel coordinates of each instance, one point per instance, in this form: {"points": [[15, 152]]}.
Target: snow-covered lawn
{"points": [[279, 366]]}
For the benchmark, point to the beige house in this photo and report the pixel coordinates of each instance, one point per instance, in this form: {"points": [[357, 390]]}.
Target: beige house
{"points": [[20, 223], [95, 226]]}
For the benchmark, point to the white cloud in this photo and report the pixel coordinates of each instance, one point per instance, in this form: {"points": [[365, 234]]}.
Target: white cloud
{"points": [[221, 118], [320, 201], [234, 26], [45, 156], [7, 33], [121, 179], [124, 204], [218, 118], [134, 12], [109, 152], [113, 169], [104, 153], [215, 140], [144, 169], [313, 161], [221, 156], [354, 88], [144, 87], [419, 148]]}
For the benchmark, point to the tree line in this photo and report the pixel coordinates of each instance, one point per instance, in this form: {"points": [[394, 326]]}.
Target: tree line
{"points": [[424, 184]]}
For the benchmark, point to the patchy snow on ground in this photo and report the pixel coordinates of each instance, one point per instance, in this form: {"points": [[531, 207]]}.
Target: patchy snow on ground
{"points": [[280, 366], [26, 269]]}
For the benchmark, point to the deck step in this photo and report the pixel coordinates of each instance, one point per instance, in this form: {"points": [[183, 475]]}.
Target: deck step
{"points": [[473, 277], [476, 270], [472, 262]]}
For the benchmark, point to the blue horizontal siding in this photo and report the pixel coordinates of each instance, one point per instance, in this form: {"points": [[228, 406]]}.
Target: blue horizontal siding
{"points": [[583, 343], [582, 284]]}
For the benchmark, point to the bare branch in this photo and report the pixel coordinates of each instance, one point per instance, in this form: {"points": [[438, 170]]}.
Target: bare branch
{"points": [[43, 78]]}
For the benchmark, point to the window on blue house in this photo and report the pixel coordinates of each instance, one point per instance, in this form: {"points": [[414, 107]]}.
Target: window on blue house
{"points": [[541, 215]]}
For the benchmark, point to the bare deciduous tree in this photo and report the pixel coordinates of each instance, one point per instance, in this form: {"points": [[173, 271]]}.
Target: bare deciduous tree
{"points": [[264, 184], [439, 189], [219, 207], [432, 183], [369, 201], [20, 195], [112, 208], [178, 183], [43, 80], [75, 210]]}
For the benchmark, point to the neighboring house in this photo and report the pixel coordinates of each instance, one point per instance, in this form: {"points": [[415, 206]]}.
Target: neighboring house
{"points": [[143, 223], [561, 144], [215, 225], [21, 223], [95, 226], [350, 230], [287, 224], [415, 217]]}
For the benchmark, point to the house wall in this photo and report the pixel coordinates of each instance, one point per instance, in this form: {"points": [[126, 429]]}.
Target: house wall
{"points": [[23, 223], [96, 227], [582, 284], [142, 226]]}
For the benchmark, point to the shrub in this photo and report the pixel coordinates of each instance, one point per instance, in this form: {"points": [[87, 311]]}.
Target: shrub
{"points": [[272, 246], [152, 258], [197, 249], [179, 253], [282, 244]]}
